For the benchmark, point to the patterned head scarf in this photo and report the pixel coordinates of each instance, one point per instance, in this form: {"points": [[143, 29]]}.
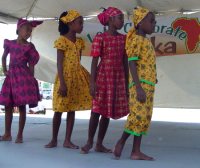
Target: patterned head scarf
{"points": [[33, 23], [71, 15], [139, 14], [105, 15]]}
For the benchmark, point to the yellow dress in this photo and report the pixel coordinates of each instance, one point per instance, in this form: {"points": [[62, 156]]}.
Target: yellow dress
{"points": [[76, 78], [140, 49]]}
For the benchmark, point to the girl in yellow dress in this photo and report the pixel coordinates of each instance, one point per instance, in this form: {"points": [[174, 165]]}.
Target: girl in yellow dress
{"points": [[71, 88], [142, 79]]}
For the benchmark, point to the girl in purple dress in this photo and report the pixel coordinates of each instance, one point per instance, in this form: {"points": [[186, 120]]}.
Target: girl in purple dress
{"points": [[20, 87]]}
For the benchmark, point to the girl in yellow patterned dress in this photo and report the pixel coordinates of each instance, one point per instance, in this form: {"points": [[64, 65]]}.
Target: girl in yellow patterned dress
{"points": [[142, 79], [71, 88]]}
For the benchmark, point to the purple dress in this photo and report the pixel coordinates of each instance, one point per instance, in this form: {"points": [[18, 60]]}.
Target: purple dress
{"points": [[20, 87]]}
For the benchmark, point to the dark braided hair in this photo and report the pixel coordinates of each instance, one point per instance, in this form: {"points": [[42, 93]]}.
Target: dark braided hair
{"points": [[63, 28], [104, 9]]}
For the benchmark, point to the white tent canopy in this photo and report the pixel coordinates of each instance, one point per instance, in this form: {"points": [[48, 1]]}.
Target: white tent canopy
{"points": [[178, 75], [12, 9]]}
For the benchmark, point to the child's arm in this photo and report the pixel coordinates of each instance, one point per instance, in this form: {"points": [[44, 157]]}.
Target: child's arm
{"points": [[125, 62], [80, 54], [4, 57], [93, 76], [33, 59], [63, 88], [82, 46], [31, 68], [141, 95]]}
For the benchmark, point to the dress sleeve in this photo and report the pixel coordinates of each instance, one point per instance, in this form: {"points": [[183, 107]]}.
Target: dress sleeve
{"points": [[97, 45], [6, 45], [33, 55], [133, 48], [60, 44]]}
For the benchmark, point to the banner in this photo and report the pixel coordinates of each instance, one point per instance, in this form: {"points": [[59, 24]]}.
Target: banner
{"points": [[174, 35]]}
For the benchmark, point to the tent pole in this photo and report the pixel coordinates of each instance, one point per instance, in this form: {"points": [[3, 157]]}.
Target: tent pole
{"points": [[31, 8]]}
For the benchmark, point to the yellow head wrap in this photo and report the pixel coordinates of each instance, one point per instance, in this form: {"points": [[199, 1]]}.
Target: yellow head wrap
{"points": [[71, 15], [138, 15]]}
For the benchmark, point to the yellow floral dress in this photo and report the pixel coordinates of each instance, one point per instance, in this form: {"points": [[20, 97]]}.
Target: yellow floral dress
{"points": [[140, 49], [76, 78]]}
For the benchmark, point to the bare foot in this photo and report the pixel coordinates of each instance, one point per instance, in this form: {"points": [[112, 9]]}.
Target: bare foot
{"points": [[118, 150], [6, 138], [51, 144], [19, 140], [141, 156], [103, 149], [70, 145], [85, 149]]}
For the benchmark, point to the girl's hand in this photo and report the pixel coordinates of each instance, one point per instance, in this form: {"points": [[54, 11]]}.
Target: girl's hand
{"points": [[5, 72], [31, 68], [156, 80], [62, 90], [141, 95], [93, 90]]}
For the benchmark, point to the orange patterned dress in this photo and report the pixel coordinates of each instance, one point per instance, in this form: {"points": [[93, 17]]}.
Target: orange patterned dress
{"points": [[76, 78], [140, 49]]}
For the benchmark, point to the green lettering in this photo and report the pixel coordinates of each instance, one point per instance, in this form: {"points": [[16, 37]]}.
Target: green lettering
{"points": [[162, 28], [182, 36], [127, 27], [89, 38], [157, 29], [169, 30], [177, 31]]}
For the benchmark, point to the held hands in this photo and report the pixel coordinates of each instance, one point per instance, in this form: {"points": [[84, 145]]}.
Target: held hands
{"points": [[62, 90], [156, 80], [5, 72], [141, 95]]}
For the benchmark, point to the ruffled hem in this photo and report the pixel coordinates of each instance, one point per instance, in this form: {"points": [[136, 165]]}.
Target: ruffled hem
{"points": [[134, 133]]}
